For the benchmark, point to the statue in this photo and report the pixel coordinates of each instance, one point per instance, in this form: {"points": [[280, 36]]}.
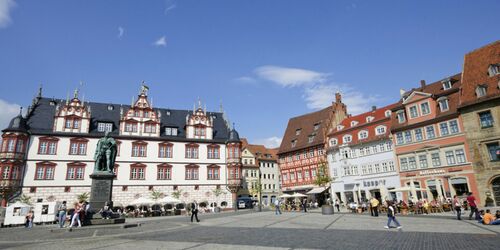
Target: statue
{"points": [[105, 154]]}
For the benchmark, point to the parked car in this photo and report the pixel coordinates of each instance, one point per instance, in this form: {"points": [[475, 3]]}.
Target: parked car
{"points": [[245, 202]]}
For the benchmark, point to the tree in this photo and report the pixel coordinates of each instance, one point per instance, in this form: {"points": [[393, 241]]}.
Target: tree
{"points": [[322, 177], [25, 199], [177, 194], [83, 197], [156, 195], [218, 192]]}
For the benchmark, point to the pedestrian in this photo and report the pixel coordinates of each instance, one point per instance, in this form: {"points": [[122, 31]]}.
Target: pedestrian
{"points": [[457, 206], [304, 205], [277, 204], [471, 200], [374, 206], [194, 211], [337, 205], [61, 214], [29, 219], [391, 215], [76, 215]]}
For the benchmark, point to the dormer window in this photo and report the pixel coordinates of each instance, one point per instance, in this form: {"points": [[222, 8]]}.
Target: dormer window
{"points": [[446, 84], [171, 131], [493, 69], [110, 107], [316, 126], [424, 107], [347, 138], [388, 113], [297, 132], [401, 116], [363, 134], [369, 118], [104, 127], [294, 143], [443, 104], [413, 111], [311, 138], [354, 123], [380, 130], [481, 91], [333, 142], [340, 127]]}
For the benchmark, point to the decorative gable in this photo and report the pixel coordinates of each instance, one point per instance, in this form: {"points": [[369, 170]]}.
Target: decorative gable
{"points": [[416, 96], [73, 116], [199, 125], [140, 119]]}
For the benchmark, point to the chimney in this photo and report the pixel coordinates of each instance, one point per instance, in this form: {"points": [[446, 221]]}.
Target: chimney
{"points": [[338, 97], [402, 92], [422, 83], [374, 108]]}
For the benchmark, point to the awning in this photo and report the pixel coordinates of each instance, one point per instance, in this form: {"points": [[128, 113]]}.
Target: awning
{"points": [[317, 190]]}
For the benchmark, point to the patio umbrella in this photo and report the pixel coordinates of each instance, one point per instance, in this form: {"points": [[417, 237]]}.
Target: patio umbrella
{"points": [[142, 201], [285, 196], [413, 190], [169, 200], [297, 195], [383, 192]]}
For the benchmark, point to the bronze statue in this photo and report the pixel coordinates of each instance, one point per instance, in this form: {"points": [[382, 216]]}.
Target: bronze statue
{"points": [[105, 154]]}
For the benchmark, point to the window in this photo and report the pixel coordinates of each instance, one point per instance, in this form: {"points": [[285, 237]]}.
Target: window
{"points": [[137, 172], [430, 132], [72, 122], [412, 162], [408, 136], [192, 151], [446, 84], [377, 168], [47, 146], [424, 107], [333, 142], [363, 134], [139, 149], [313, 172], [149, 128], [380, 130], [413, 112], [75, 171], [311, 138], [292, 176], [387, 113], [391, 166], [200, 131], [316, 126], [45, 171], [78, 147], [130, 127], [191, 172], [354, 123], [401, 116], [164, 172], [486, 119], [5, 172], [347, 138], [213, 152], [418, 134], [436, 160], [422, 160], [453, 126], [165, 150], [369, 118], [443, 104], [297, 132], [104, 127], [174, 131], [400, 138], [493, 70], [493, 151], [388, 145], [450, 157], [460, 154], [294, 142], [168, 131], [443, 127], [213, 172], [340, 127], [311, 152], [404, 163], [481, 91], [299, 175], [384, 167]]}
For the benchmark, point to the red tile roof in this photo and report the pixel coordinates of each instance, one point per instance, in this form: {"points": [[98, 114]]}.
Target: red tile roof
{"points": [[260, 151], [475, 73], [379, 118]]}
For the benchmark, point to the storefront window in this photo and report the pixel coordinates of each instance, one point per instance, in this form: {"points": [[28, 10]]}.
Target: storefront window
{"points": [[460, 186]]}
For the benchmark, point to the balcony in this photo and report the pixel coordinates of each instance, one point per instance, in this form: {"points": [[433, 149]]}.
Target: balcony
{"points": [[9, 184], [12, 155]]}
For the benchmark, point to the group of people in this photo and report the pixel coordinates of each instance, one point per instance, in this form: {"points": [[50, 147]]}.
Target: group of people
{"points": [[301, 205], [79, 213]]}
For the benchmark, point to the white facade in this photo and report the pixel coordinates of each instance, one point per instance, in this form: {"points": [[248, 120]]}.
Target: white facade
{"points": [[363, 171], [270, 174]]}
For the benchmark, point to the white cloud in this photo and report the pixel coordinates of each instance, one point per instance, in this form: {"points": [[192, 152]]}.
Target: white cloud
{"points": [[319, 89], [271, 142], [5, 7], [7, 112], [245, 80], [289, 77], [169, 5], [162, 41], [121, 31]]}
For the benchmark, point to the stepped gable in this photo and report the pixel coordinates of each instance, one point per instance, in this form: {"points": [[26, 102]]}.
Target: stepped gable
{"points": [[476, 73], [41, 120], [306, 124]]}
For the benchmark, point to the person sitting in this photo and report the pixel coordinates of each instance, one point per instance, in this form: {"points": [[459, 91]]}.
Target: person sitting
{"points": [[497, 215], [489, 219], [106, 211]]}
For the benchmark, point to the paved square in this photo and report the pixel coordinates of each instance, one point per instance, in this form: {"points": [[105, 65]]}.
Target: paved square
{"points": [[265, 230]]}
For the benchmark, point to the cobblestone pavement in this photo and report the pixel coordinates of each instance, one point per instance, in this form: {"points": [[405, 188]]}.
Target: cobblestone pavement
{"points": [[265, 230]]}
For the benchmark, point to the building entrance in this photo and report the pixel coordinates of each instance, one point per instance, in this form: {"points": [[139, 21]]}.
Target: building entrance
{"points": [[495, 185]]}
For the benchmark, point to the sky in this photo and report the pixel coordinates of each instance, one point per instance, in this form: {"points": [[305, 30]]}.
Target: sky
{"points": [[265, 61]]}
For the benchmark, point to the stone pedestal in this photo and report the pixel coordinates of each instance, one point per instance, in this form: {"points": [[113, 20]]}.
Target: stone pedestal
{"points": [[101, 189]]}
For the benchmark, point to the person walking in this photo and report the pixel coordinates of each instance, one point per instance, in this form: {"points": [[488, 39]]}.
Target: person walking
{"points": [[277, 204], [457, 205], [76, 215], [194, 211], [29, 219], [471, 200], [304, 205], [61, 214], [374, 206], [337, 205], [391, 216]]}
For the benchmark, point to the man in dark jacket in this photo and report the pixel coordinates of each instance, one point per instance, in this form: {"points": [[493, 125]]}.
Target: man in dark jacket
{"points": [[194, 211]]}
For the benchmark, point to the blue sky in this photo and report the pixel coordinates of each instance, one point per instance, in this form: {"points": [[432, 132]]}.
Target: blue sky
{"points": [[266, 61]]}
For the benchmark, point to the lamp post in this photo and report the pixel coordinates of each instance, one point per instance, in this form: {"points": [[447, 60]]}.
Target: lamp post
{"points": [[260, 191]]}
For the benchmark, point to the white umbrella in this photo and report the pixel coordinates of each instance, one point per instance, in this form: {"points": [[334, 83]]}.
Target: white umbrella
{"points": [[298, 195], [169, 200], [401, 189], [142, 201], [285, 196]]}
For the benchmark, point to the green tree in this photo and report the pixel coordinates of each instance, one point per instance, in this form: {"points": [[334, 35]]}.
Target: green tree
{"points": [[25, 199], [218, 192], [83, 197], [177, 194], [323, 179], [156, 195]]}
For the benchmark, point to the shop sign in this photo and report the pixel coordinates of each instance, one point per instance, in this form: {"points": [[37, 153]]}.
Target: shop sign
{"points": [[374, 183], [432, 172]]}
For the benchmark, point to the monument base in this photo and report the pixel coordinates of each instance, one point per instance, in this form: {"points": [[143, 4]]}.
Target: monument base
{"points": [[101, 190], [106, 221]]}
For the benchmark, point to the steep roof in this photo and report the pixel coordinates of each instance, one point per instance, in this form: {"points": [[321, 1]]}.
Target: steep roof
{"points": [[475, 73], [379, 118], [305, 123], [41, 120], [261, 152]]}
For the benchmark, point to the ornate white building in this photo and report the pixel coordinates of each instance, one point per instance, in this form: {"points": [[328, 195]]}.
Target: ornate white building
{"points": [[159, 149]]}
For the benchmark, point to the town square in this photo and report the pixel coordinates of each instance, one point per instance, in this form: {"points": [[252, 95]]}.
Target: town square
{"points": [[183, 124]]}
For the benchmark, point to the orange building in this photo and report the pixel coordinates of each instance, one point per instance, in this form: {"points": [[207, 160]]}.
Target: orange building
{"points": [[430, 145]]}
